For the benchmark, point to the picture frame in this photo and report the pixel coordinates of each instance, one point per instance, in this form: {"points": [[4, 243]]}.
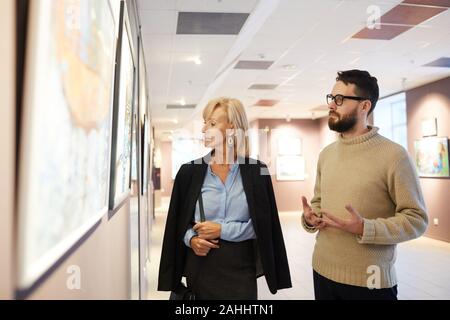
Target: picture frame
{"points": [[124, 95], [289, 146], [290, 168], [432, 157], [429, 127], [65, 132]]}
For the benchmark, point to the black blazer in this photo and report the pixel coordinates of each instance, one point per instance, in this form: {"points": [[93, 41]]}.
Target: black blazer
{"points": [[263, 211]]}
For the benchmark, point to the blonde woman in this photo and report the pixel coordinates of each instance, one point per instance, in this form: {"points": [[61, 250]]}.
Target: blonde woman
{"points": [[241, 237]]}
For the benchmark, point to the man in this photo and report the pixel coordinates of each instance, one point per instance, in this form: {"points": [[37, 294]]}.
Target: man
{"points": [[367, 198]]}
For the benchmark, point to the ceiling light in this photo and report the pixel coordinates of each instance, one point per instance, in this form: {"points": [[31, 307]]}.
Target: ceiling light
{"points": [[175, 121], [197, 61], [183, 102], [289, 66], [354, 61]]}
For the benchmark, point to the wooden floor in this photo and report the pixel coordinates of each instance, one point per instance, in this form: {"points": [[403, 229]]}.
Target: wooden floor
{"points": [[423, 265]]}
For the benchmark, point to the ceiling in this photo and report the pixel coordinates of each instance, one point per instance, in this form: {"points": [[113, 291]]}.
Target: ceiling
{"points": [[288, 50]]}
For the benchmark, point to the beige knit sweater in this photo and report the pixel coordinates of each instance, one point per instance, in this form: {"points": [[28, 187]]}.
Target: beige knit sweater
{"points": [[376, 176]]}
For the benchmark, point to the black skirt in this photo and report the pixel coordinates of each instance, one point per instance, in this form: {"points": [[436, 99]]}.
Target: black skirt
{"points": [[227, 273]]}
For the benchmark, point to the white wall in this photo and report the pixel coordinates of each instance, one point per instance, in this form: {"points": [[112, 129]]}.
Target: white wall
{"points": [[7, 168]]}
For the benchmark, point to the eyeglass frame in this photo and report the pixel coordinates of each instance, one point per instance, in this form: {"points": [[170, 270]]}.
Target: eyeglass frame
{"points": [[333, 98]]}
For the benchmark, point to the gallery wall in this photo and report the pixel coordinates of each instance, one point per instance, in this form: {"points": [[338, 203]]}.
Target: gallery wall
{"points": [[102, 262], [166, 168], [99, 260], [432, 101], [7, 145], [288, 193]]}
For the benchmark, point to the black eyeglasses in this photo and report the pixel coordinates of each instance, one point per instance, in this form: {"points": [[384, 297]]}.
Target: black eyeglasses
{"points": [[339, 99]]}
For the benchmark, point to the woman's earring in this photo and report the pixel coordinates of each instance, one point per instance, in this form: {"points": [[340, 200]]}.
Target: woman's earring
{"points": [[230, 141]]}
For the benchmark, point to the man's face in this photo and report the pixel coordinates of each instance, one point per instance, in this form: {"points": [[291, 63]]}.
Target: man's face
{"points": [[343, 118]]}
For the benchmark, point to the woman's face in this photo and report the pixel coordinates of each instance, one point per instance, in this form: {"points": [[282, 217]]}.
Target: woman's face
{"points": [[215, 129]]}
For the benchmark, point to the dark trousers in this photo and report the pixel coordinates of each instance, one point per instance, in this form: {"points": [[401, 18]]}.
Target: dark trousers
{"points": [[326, 289]]}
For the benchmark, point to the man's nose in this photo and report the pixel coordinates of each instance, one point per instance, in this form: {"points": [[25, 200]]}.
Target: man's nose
{"points": [[332, 106]]}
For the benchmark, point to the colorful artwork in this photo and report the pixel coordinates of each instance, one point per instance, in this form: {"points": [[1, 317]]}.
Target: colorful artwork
{"points": [[65, 146], [290, 168], [432, 157]]}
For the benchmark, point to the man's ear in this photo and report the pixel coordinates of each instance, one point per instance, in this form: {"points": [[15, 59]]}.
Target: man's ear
{"points": [[367, 105]]}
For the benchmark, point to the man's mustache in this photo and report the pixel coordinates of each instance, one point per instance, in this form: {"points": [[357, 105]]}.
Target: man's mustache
{"points": [[333, 113]]}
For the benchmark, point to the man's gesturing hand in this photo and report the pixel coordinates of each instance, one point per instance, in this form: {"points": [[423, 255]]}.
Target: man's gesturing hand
{"points": [[310, 218]]}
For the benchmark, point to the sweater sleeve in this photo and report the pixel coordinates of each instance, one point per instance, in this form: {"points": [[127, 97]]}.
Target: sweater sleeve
{"points": [[315, 202], [410, 220]]}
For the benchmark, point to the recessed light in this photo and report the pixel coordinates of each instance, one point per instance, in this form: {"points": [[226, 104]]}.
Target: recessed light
{"points": [[183, 102], [354, 61], [197, 61], [289, 66]]}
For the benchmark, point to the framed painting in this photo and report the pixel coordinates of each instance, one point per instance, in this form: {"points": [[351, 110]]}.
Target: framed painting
{"points": [[122, 118], [65, 130], [431, 157], [289, 146], [429, 127], [290, 168]]}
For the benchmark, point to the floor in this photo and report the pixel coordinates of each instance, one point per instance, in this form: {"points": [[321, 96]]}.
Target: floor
{"points": [[423, 265]]}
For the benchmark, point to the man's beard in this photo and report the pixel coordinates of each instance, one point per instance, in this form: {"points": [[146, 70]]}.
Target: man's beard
{"points": [[343, 124]]}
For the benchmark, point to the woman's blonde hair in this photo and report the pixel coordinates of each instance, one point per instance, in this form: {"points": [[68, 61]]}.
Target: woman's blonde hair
{"points": [[237, 117]]}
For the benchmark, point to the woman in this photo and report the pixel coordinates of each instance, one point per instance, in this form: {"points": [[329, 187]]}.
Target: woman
{"points": [[241, 238]]}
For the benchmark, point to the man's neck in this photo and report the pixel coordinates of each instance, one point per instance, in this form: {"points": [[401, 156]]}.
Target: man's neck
{"points": [[357, 130]]}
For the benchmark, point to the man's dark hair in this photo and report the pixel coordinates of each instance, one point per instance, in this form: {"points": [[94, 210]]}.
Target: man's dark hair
{"points": [[366, 85]]}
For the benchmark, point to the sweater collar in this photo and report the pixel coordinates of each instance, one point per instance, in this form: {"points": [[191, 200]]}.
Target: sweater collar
{"points": [[360, 139]]}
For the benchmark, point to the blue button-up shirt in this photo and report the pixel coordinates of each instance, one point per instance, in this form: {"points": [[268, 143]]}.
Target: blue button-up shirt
{"points": [[225, 204]]}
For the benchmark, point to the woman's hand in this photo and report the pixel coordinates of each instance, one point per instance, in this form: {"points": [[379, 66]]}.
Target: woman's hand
{"points": [[201, 247], [208, 230]]}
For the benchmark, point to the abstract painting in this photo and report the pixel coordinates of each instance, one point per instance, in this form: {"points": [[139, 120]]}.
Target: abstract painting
{"points": [[431, 156], [65, 129]]}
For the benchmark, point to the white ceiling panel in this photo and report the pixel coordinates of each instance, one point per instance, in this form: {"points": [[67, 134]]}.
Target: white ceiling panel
{"points": [[159, 22], [157, 4], [232, 6], [154, 43], [311, 37], [203, 43]]}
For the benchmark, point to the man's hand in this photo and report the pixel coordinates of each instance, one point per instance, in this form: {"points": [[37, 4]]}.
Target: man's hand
{"points": [[208, 230], [353, 225], [310, 218], [201, 247]]}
